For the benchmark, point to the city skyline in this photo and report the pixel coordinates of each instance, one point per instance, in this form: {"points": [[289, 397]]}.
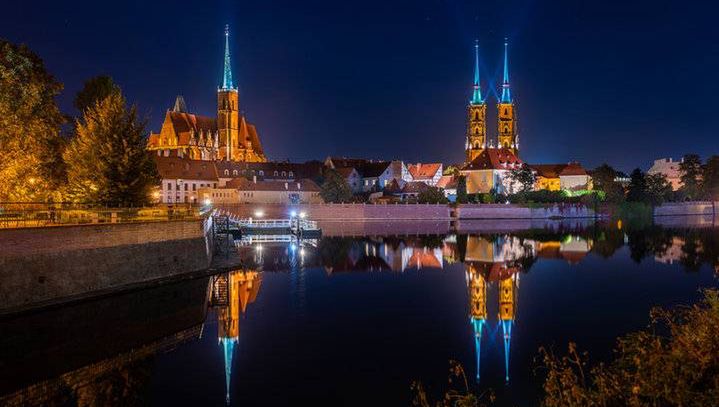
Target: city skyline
{"points": [[396, 82]]}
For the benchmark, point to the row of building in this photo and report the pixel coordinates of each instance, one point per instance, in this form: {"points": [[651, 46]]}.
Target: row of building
{"points": [[221, 158]]}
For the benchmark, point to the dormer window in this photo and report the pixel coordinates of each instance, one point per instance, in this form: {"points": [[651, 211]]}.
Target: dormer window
{"points": [[227, 172], [234, 173], [276, 173], [291, 174]]}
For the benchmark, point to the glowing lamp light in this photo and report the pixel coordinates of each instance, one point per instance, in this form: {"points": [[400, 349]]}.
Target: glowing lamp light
{"points": [[208, 202], [303, 215], [259, 214], [293, 214]]}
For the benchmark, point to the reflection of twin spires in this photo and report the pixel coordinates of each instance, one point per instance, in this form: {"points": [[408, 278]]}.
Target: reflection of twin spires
{"points": [[487, 262], [231, 293]]}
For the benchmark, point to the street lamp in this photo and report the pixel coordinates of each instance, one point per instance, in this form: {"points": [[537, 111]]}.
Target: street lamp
{"points": [[259, 214]]}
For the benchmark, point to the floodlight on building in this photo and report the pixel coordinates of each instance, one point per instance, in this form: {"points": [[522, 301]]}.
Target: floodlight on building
{"points": [[303, 215], [259, 214], [293, 214]]}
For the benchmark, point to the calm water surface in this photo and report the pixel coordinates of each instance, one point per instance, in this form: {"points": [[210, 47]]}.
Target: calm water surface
{"points": [[355, 320]]}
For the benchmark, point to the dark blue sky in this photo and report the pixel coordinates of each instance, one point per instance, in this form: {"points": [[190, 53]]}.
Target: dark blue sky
{"points": [[617, 81]]}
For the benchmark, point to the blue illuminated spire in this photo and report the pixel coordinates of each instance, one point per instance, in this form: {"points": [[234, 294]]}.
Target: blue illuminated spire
{"points": [[227, 74], [506, 95], [477, 93], [477, 325], [507, 336], [229, 346]]}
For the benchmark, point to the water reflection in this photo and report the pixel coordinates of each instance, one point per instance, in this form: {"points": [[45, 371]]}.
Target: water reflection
{"points": [[230, 295], [103, 352]]}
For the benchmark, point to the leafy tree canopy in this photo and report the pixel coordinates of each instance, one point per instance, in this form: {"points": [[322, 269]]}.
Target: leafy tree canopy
{"points": [[107, 162], [335, 188], [30, 157], [94, 90]]}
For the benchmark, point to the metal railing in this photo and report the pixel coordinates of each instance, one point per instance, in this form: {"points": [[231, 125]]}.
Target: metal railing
{"points": [[29, 214]]}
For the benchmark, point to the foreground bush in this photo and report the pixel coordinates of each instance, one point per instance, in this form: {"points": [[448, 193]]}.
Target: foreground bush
{"points": [[673, 362]]}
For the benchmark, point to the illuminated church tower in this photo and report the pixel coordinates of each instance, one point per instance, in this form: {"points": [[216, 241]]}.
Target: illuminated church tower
{"points": [[476, 116], [507, 120], [238, 139]]}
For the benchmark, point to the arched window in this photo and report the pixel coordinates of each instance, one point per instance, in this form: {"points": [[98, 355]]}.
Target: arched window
{"points": [[227, 172], [262, 173], [276, 173], [234, 173], [291, 175], [284, 173], [506, 111]]}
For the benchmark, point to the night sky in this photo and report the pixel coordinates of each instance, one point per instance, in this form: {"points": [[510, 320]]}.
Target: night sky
{"points": [[623, 82]]}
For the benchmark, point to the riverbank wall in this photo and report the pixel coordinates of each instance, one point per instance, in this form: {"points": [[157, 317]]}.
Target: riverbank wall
{"points": [[702, 208], [42, 266], [359, 212]]}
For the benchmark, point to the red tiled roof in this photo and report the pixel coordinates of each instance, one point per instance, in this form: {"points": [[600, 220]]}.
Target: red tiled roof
{"points": [[183, 168], [447, 182], [345, 171], [494, 159], [414, 187], [423, 171], [557, 170], [573, 168], [184, 123]]}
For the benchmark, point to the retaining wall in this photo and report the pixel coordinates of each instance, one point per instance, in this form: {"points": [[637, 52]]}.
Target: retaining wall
{"points": [[501, 211], [686, 208], [341, 212], [39, 266]]}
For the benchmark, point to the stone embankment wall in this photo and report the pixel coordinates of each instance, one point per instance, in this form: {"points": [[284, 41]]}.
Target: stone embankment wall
{"points": [[46, 265], [342, 212], [686, 208], [345, 212], [501, 211]]}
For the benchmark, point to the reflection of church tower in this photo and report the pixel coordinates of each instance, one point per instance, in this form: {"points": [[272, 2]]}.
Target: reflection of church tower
{"points": [[478, 307], [507, 304], [231, 293], [507, 131], [476, 116]]}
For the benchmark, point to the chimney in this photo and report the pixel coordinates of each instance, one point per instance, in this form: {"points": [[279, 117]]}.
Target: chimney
{"points": [[285, 185], [298, 185], [254, 179]]}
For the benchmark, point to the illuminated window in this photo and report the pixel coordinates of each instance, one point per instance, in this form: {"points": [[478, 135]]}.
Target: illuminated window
{"points": [[227, 172]]}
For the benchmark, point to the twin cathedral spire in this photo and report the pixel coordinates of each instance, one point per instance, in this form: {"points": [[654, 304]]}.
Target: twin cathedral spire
{"points": [[477, 114]]}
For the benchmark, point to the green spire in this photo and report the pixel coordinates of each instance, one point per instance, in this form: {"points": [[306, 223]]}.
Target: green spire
{"points": [[477, 93], [227, 75]]}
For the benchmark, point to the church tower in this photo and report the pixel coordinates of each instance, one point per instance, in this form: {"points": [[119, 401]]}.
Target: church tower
{"points": [[476, 116], [507, 120], [228, 113], [507, 303]]}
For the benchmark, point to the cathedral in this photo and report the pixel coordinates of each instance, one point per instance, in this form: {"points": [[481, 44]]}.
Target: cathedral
{"points": [[487, 162], [226, 137], [507, 137]]}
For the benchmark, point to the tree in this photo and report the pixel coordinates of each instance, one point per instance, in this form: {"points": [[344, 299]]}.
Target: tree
{"points": [[604, 179], [462, 189], [30, 142], [94, 90], [106, 161], [524, 176], [431, 195], [690, 169], [658, 188], [637, 191], [710, 178], [335, 188]]}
